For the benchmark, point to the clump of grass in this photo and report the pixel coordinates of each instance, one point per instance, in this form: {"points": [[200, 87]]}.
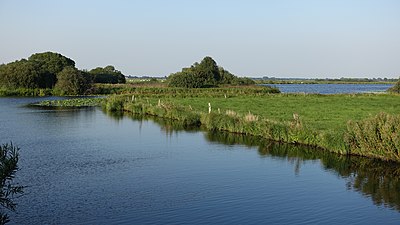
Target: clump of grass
{"points": [[378, 137], [249, 117], [231, 113], [114, 104]]}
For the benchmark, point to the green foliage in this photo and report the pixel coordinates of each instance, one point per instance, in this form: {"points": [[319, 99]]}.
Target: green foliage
{"points": [[205, 74], [378, 137], [114, 104], [71, 81], [51, 62], [39, 71], [108, 75], [8, 168]]}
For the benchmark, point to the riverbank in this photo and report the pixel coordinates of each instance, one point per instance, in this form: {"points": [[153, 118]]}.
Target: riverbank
{"points": [[356, 124]]}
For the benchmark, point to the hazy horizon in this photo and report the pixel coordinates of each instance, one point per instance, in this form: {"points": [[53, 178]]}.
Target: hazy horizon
{"points": [[254, 38]]}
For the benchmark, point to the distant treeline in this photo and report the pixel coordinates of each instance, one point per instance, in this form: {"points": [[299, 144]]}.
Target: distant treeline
{"points": [[205, 74], [54, 71]]}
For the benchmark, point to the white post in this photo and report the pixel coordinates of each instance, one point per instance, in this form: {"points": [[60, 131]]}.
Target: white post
{"points": [[209, 107]]}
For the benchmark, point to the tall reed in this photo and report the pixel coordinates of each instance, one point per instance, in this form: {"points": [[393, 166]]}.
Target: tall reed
{"points": [[378, 137]]}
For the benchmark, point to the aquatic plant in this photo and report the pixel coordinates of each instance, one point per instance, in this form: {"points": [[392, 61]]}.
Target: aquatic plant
{"points": [[9, 155], [73, 102]]}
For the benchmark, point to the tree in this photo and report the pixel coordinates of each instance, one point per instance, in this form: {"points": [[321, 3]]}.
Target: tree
{"points": [[209, 70], [108, 75], [8, 167], [71, 81], [205, 74], [20, 74], [50, 64], [39, 71], [51, 61]]}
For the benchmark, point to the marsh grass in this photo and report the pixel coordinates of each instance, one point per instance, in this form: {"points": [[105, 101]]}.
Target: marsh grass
{"points": [[378, 136]]}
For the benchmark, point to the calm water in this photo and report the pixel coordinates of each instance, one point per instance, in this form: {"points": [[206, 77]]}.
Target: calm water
{"points": [[332, 88], [85, 167]]}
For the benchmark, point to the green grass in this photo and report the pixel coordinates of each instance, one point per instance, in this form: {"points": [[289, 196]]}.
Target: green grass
{"points": [[321, 112]]}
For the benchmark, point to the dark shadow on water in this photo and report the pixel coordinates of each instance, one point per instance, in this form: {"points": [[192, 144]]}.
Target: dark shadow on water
{"points": [[375, 179]]}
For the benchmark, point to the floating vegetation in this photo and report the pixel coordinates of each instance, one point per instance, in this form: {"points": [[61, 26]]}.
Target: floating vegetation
{"points": [[73, 102]]}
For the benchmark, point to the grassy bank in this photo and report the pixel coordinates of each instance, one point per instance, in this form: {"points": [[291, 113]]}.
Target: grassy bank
{"points": [[359, 124], [320, 121]]}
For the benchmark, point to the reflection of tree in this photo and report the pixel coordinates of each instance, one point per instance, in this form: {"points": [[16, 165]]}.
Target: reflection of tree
{"points": [[168, 126], [373, 178]]}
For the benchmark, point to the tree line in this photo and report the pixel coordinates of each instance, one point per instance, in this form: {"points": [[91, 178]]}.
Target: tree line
{"points": [[205, 74], [55, 71]]}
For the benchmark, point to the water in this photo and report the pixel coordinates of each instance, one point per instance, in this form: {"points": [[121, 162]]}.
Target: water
{"points": [[82, 166], [332, 88]]}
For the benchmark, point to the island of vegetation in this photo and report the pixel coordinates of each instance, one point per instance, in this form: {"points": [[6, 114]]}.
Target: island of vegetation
{"points": [[206, 95], [51, 73]]}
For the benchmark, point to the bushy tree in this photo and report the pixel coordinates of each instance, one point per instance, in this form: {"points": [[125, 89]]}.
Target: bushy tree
{"points": [[19, 74], [108, 75], [8, 168], [51, 62], [209, 71], [71, 81], [205, 74], [39, 71]]}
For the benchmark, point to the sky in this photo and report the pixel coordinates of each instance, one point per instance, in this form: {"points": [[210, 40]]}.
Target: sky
{"points": [[252, 38]]}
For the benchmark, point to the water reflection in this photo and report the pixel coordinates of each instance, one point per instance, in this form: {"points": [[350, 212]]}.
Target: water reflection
{"points": [[375, 179]]}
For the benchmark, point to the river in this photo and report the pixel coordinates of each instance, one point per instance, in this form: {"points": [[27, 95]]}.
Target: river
{"points": [[331, 88], [82, 166]]}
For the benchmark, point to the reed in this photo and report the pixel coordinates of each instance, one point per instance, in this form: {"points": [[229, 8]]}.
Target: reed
{"points": [[377, 137]]}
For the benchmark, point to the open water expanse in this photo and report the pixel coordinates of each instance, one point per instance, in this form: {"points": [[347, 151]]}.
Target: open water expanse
{"points": [[82, 166], [331, 88]]}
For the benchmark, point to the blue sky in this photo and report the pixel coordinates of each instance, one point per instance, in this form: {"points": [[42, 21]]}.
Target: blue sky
{"points": [[281, 38]]}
